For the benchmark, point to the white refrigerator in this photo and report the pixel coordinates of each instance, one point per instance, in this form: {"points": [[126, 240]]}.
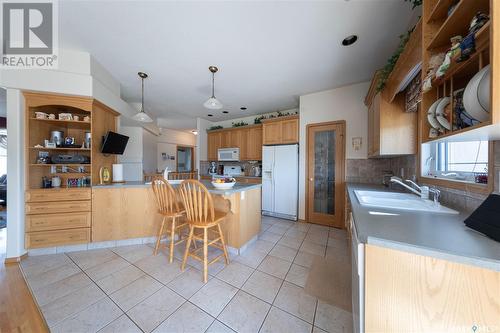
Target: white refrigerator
{"points": [[280, 181]]}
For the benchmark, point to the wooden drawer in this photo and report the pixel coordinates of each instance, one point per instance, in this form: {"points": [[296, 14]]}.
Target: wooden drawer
{"points": [[58, 207], [58, 194], [57, 221], [57, 237]]}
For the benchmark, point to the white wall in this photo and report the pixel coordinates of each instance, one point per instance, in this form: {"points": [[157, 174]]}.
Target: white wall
{"points": [[168, 142], [345, 103], [149, 159], [15, 173], [202, 140], [132, 156]]}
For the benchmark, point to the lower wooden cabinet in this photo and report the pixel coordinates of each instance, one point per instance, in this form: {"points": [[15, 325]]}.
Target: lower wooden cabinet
{"points": [[407, 292], [57, 238], [58, 207], [57, 217], [57, 221]]}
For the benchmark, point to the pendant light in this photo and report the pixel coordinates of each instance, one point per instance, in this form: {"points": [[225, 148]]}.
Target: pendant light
{"points": [[142, 116], [212, 103]]}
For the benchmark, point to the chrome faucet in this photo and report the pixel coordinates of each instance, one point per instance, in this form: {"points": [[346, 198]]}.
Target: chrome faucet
{"points": [[421, 191], [437, 194]]}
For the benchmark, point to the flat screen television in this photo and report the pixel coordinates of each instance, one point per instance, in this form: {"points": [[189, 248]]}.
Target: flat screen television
{"points": [[114, 143]]}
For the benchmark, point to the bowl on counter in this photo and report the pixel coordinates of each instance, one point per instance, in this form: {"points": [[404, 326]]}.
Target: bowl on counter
{"points": [[224, 183]]}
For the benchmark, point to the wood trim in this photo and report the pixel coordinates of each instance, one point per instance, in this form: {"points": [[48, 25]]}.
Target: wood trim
{"points": [[340, 208], [13, 260], [411, 56], [233, 128], [35, 99], [271, 120], [372, 91], [107, 108], [460, 185]]}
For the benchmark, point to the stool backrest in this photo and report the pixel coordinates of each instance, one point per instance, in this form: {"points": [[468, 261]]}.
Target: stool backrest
{"points": [[197, 201], [165, 195]]}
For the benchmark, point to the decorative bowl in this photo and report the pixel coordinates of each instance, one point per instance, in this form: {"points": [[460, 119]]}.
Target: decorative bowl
{"points": [[223, 186]]}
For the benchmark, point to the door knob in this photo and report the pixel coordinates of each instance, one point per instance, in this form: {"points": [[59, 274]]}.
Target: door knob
{"points": [[311, 179]]}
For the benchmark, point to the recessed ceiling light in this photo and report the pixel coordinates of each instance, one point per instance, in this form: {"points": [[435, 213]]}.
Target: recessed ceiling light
{"points": [[210, 115], [225, 111], [243, 108], [349, 40]]}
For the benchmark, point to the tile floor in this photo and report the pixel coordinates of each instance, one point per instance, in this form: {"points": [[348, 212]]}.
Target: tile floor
{"points": [[127, 289]]}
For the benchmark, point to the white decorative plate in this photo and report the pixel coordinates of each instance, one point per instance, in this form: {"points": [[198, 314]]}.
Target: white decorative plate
{"points": [[473, 95], [440, 116], [431, 115]]}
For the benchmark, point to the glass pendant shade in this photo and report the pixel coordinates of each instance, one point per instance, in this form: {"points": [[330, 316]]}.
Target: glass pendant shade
{"points": [[213, 104], [142, 117]]}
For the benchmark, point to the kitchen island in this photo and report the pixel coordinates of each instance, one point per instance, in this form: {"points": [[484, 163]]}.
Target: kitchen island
{"points": [[128, 211]]}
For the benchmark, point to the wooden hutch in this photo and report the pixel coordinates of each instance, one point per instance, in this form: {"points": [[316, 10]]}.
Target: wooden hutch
{"points": [[62, 215]]}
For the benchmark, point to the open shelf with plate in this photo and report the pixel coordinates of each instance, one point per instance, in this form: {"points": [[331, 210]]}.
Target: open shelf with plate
{"points": [[60, 213], [449, 117]]}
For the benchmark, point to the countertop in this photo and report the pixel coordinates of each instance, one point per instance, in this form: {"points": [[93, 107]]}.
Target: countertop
{"points": [[254, 177], [436, 235], [140, 184]]}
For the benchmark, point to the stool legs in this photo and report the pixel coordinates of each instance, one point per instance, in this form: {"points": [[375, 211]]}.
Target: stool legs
{"points": [[223, 244], [188, 244], [172, 239], [205, 255], [157, 246]]}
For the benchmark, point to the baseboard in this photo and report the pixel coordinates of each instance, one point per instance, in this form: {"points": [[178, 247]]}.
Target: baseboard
{"points": [[14, 260]]}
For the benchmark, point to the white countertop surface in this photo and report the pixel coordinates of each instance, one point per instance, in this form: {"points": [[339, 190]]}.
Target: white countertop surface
{"points": [[437, 235]]}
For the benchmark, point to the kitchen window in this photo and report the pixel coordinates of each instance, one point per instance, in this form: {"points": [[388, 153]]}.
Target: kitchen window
{"points": [[462, 161]]}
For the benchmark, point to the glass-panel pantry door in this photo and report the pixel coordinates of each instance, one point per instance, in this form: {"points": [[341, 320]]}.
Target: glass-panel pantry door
{"points": [[325, 159]]}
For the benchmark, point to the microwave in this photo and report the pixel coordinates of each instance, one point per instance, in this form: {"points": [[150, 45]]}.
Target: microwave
{"points": [[228, 154]]}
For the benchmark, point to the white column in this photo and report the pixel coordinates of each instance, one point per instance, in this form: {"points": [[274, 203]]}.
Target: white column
{"points": [[15, 173]]}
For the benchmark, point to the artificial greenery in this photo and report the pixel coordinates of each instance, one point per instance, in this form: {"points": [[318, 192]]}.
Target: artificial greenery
{"points": [[415, 3], [391, 62], [239, 124], [278, 114], [258, 120], [215, 128]]}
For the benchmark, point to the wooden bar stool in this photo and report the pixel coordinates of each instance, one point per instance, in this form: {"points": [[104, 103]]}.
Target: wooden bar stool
{"points": [[168, 206], [201, 215]]}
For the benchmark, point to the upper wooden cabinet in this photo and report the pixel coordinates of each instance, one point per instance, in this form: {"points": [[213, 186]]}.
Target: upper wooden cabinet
{"points": [[214, 143], [391, 131], [439, 25], [253, 144], [283, 130], [248, 139]]}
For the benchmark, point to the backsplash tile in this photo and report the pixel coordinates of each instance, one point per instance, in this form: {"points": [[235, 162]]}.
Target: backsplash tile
{"points": [[245, 165], [371, 171]]}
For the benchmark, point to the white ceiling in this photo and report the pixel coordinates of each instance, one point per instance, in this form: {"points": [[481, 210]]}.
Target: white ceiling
{"points": [[268, 52]]}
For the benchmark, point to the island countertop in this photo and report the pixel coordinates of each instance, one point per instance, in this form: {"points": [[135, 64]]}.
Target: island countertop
{"points": [[436, 235], [238, 187]]}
